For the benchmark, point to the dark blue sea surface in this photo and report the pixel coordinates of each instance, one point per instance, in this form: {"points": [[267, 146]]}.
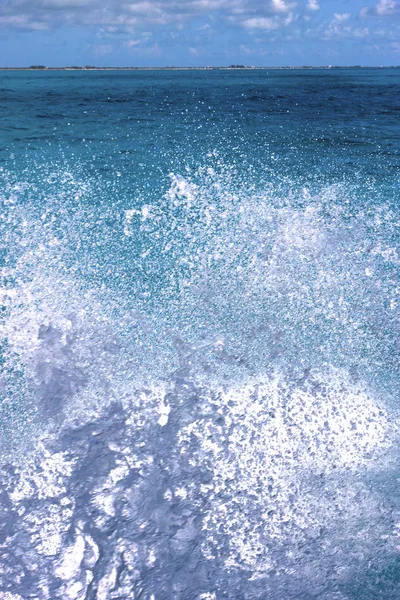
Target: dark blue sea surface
{"points": [[199, 335]]}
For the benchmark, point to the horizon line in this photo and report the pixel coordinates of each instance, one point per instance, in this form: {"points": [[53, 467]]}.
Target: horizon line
{"points": [[193, 68]]}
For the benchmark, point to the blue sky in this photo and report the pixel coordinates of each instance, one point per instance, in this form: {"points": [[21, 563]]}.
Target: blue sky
{"points": [[199, 32]]}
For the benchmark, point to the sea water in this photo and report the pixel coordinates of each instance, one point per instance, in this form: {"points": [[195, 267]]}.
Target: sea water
{"points": [[199, 335]]}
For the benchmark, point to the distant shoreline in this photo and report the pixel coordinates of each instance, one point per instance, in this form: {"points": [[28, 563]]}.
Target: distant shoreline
{"points": [[206, 68]]}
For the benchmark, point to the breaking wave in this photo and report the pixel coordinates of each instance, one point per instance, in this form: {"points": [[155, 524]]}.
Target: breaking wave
{"points": [[198, 388]]}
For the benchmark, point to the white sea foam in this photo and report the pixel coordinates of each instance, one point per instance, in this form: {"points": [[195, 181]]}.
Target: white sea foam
{"points": [[286, 464], [248, 420]]}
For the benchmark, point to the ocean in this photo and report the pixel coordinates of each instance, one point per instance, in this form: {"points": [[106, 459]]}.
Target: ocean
{"points": [[199, 335]]}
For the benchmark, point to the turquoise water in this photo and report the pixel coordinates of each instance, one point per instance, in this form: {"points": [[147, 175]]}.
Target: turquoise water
{"points": [[199, 334]]}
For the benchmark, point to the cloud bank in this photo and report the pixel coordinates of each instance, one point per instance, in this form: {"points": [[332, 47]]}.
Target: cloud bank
{"points": [[249, 14], [151, 27]]}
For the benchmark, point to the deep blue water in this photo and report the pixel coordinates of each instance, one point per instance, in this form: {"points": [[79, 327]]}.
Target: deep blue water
{"points": [[199, 335]]}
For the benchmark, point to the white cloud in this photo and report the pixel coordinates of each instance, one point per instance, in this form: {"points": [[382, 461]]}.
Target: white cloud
{"points": [[149, 9], [337, 28], [129, 19], [129, 16], [387, 7], [261, 23], [341, 17], [383, 8], [288, 19], [312, 5], [359, 32], [341, 27], [22, 22], [65, 4], [280, 6]]}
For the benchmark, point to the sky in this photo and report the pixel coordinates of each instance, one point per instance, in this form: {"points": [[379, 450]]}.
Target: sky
{"points": [[199, 32]]}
